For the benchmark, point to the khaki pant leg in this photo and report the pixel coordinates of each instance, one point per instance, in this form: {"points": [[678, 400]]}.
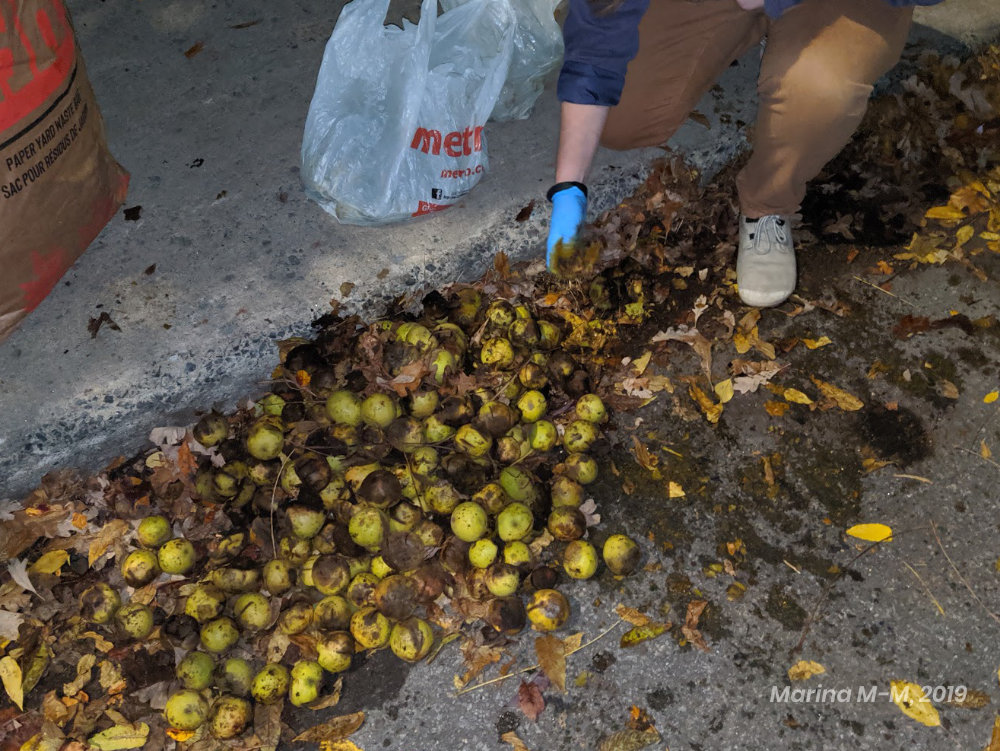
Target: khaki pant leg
{"points": [[817, 73], [684, 47]]}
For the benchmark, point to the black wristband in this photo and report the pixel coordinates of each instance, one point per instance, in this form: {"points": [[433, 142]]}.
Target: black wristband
{"points": [[562, 186]]}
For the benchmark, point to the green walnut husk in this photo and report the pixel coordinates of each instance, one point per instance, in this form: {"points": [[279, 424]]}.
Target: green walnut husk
{"points": [[219, 634], [548, 610], [368, 527], [579, 436], [580, 559], [153, 531], [621, 554], [231, 715], [395, 597], [566, 523], [589, 407], [270, 684], [195, 670], [307, 676], [532, 405], [378, 410], [482, 553], [140, 568], [266, 438], [502, 579], [186, 710], [411, 639], [306, 522], [252, 611], [344, 408], [296, 618], [211, 429], [514, 522], [135, 620], [361, 589], [335, 651], [370, 628], [469, 521], [278, 576], [205, 602], [99, 603], [235, 676], [176, 556], [332, 613]]}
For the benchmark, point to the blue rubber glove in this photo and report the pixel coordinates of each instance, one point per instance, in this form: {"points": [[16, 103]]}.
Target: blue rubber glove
{"points": [[569, 209]]}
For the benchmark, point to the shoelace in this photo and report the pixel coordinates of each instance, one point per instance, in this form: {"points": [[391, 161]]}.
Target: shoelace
{"points": [[775, 226]]}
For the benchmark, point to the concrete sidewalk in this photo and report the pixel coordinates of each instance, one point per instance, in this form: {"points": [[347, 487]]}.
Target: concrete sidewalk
{"points": [[242, 258]]}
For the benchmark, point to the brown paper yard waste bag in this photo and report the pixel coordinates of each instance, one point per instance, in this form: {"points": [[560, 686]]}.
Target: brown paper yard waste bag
{"points": [[58, 184]]}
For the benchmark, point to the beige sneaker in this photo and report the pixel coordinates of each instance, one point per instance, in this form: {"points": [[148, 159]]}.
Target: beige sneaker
{"points": [[765, 265]]}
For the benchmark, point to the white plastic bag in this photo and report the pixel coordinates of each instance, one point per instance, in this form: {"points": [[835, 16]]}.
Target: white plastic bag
{"points": [[538, 49], [395, 127]]}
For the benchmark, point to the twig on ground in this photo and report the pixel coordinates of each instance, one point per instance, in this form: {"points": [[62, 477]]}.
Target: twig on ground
{"points": [[961, 578], [891, 294], [926, 588], [528, 669]]}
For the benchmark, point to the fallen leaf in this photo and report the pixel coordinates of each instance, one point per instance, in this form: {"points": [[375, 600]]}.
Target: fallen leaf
{"points": [[94, 324], [511, 737], [724, 390], [647, 460], [674, 490], [525, 213], [551, 653], [843, 399], [984, 450], [267, 724], [633, 616], [690, 627], [10, 675], [991, 397], [342, 745], [121, 737], [795, 396], [530, 700], [629, 740], [871, 532], [50, 562], [817, 343], [947, 389], [111, 533], [639, 634], [332, 698], [910, 699], [194, 49], [805, 669], [346, 288], [775, 408], [19, 573], [332, 730], [711, 409], [994, 736]]}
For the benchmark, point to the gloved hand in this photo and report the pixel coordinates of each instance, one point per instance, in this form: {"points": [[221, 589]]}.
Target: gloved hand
{"points": [[569, 209]]}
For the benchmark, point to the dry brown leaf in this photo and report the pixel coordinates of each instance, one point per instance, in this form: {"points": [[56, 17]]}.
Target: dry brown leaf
{"points": [[267, 724], [647, 460], [333, 730], [690, 627], [332, 698], [477, 658], [551, 653], [111, 532], [633, 616], [530, 700]]}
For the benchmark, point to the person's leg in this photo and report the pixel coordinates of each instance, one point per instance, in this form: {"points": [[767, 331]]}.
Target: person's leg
{"points": [[821, 61], [683, 48]]}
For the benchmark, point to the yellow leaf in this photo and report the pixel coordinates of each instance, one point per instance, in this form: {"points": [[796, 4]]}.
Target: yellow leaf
{"points": [[794, 395], [742, 342], [871, 532], [724, 390], [50, 563], [870, 464], [121, 737], [512, 738], [805, 669], [640, 634], [10, 674], [846, 401], [984, 450], [910, 699], [964, 234], [994, 736], [179, 735], [339, 746], [946, 213], [712, 410], [776, 409], [991, 397], [817, 343], [674, 490]]}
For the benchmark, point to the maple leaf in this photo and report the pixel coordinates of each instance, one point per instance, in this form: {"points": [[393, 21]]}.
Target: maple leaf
{"points": [[46, 271]]}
